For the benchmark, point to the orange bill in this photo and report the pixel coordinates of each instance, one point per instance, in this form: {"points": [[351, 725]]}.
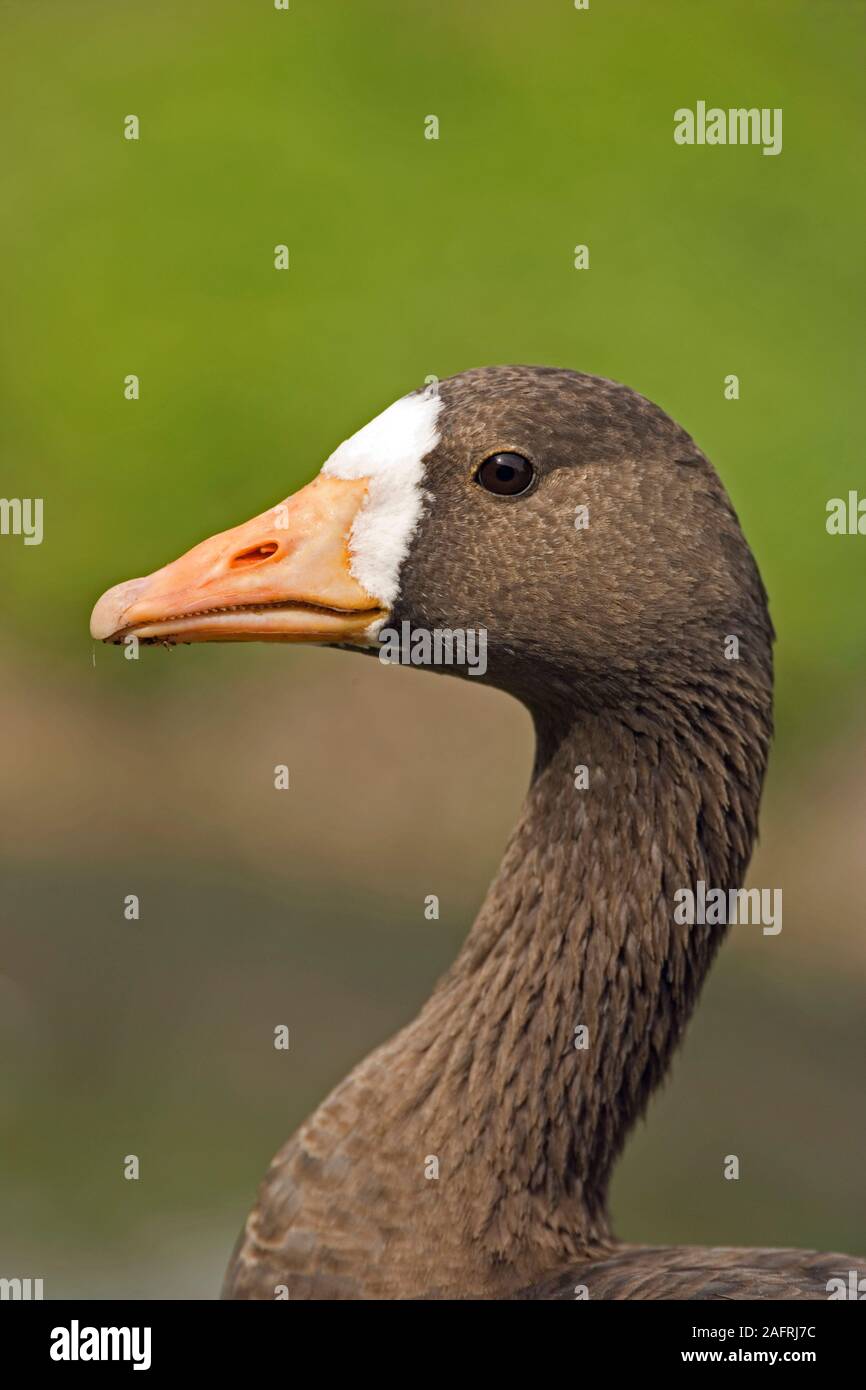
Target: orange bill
{"points": [[285, 576]]}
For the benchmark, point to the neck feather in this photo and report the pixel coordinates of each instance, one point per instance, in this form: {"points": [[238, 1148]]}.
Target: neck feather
{"points": [[577, 931]]}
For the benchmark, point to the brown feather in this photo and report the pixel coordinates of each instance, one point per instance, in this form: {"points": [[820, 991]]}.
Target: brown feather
{"points": [[689, 1272]]}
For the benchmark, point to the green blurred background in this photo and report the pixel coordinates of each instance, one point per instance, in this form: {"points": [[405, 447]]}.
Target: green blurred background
{"points": [[409, 257]]}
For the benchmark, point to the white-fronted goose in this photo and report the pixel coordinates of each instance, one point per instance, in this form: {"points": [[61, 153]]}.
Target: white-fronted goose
{"points": [[585, 533]]}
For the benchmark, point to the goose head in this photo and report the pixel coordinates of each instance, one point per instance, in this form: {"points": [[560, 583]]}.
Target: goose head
{"points": [[563, 521]]}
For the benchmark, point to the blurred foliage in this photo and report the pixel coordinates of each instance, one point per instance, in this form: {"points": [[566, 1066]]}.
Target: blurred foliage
{"points": [[408, 257], [411, 257]]}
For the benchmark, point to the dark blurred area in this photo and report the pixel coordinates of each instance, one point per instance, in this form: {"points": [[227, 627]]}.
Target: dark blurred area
{"points": [[155, 777]]}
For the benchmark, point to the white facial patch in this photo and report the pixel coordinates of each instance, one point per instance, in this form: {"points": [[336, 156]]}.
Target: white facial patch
{"points": [[390, 452]]}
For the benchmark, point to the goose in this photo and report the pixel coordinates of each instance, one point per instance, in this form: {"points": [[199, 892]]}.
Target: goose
{"points": [[584, 533]]}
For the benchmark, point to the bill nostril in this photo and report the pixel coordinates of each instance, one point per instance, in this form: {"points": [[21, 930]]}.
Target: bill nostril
{"points": [[254, 555]]}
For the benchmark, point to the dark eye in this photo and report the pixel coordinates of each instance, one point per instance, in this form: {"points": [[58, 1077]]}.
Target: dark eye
{"points": [[506, 474]]}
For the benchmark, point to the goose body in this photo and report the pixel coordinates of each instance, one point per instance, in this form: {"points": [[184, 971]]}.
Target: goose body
{"points": [[585, 534]]}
